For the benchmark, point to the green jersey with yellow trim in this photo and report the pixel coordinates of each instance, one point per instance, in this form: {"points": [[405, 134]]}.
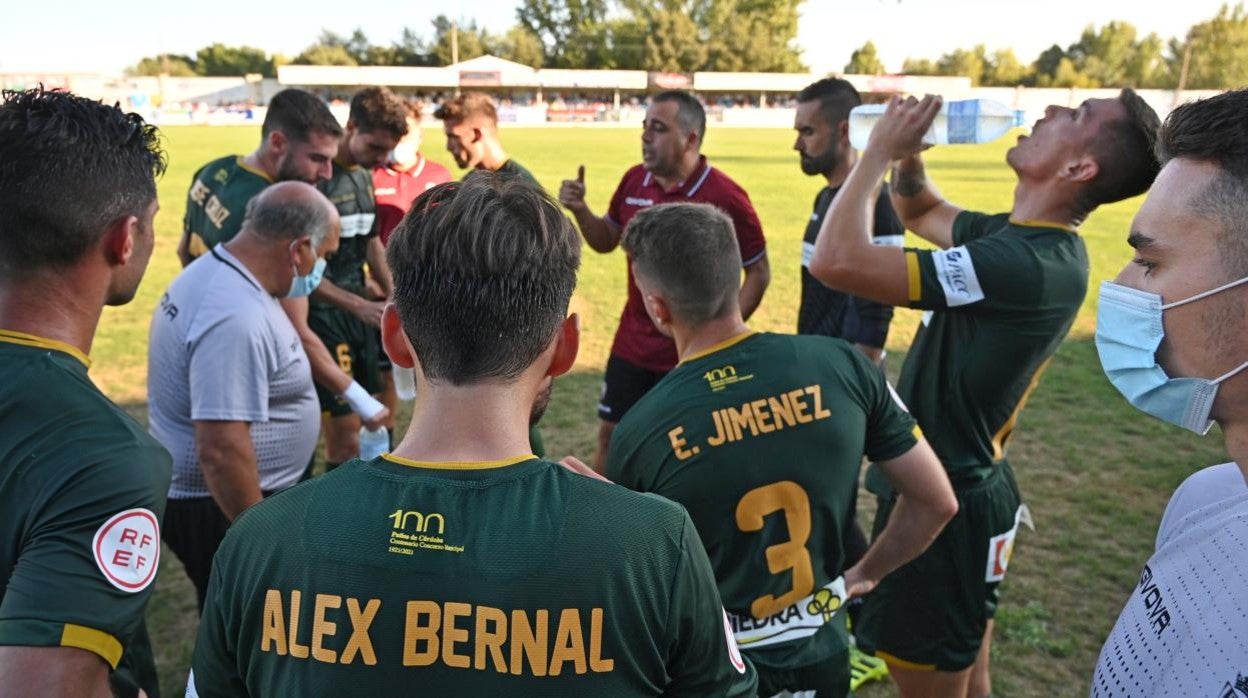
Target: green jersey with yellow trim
{"points": [[217, 200], [350, 189], [1002, 299], [514, 578], [82, 492], [761, 439]]}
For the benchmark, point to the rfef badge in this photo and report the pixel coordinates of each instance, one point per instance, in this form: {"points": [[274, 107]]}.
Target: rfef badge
{"points": [[127, 549]]}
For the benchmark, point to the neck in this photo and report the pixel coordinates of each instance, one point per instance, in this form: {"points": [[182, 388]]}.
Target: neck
{"points": [[1235, 434], [66, 308], [838, 175], [263, 259], [406, 166], [692, 340], [681, 174], [264, 160], [493, 157], [344, 152], [1046, 203], [472, 423]]}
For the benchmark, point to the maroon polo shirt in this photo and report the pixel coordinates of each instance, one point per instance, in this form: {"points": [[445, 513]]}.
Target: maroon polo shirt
{"points": [[637, 340], [396, 189]]}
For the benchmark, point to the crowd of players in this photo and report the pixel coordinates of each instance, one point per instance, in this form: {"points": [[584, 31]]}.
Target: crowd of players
{"points": [[710, 547]]}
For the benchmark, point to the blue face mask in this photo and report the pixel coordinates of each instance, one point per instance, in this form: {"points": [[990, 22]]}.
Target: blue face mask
{"points": [[1128, 333], [302, 286]]}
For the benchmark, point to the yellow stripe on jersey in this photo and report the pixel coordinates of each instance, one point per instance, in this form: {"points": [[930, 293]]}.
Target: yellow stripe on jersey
{"points": [[30, 340], [903, 664], [1007, 430], [912, 273], [917, 431], [1031, 223], [458, 465], [92, 640], [259, 173], [731, 341]]}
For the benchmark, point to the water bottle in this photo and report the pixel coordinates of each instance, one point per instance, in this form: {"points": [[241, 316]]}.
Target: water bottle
{"points": [[964, 121], [405, 383], [373, 443]]}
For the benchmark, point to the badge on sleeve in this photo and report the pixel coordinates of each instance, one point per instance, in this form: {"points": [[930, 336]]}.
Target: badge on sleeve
{"points": [[127, 549]]}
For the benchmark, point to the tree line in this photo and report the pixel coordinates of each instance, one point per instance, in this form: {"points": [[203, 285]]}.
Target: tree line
{"points": [[747, 36]]}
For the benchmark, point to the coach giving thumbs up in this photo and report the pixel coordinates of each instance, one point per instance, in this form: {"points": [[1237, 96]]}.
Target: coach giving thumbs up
{"points": [[601, 234], [572, 192]]}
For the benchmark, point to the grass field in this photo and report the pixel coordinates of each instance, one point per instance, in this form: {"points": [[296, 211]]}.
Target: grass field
{"points": [[1096, 473]]}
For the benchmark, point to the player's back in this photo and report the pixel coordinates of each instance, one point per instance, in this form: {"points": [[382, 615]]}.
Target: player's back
{"points": [[512, 578], [217, 200], [762, 440]]}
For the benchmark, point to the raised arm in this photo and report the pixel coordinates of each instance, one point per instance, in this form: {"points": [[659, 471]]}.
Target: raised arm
{"points": [[919, 206], [599, 232]]}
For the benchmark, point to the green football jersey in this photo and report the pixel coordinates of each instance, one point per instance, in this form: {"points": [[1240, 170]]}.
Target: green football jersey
{"points": [[82, 493], [511, 167], [1002, 297], [350, 189], [512, 578], [761, 438], [217, 200]]}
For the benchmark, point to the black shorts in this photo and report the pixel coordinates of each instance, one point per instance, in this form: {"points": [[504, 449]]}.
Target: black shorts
{"points": [[623, 384], [353, 345], [826, 679], [194, 529]]}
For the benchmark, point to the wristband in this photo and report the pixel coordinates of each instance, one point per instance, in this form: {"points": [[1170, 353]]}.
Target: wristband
{"points": [[360, 401]]}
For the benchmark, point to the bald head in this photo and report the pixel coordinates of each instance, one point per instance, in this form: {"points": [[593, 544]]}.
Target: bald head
{"points": [[289, 210]]}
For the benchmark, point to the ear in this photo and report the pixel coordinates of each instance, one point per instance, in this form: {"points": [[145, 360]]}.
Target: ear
{"points": [[842, 133], [1083, 170], [567, 344], [118, 240], [393, 340], [477, 135], [660, 313], [278, 142], [692, 142]]}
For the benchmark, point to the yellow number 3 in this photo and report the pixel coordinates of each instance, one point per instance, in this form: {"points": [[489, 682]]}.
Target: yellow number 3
{"points": [[790, 498]]}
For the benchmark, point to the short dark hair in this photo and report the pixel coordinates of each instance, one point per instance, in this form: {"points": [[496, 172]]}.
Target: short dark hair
{"points": [[1123, 149], [483, 273], [690, 252], [465, 105], [689, 112], [69, 168], [1215, 131], [835, 96], [377, 108], [298, 114]]}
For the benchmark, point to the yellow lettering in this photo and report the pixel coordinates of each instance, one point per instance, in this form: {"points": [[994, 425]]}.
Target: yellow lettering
{"points": [[528, 641], [420, 520], [322, 627], [359, 642], [760, 412], [429, 523], [596, 662], [720, 437], [742, 418], [452, 634], [569, 643], [216, 211], [491, 640], [199, 191], [782, 411], [296, 650], [817, 392], [799, 407], [678, 443], [274, 632], [414, 633]]}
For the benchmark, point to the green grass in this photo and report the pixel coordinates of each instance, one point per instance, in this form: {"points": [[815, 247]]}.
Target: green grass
{"points": [[1096, 473]]}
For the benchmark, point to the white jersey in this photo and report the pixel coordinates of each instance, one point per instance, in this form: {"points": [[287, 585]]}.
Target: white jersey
{"points": [[1184, 631], [222, 349]]}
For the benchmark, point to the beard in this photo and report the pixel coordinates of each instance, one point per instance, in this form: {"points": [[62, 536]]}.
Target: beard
{"points": [[820, 164], [541, 402], [287, 172]]}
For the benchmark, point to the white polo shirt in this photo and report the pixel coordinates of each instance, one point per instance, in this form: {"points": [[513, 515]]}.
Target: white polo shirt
{"points": [[1184, 631], [222, 348]]}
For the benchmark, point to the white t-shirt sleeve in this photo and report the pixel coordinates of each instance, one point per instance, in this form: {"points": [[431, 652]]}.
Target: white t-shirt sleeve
{"points": [[1199, 490], [230, 365]]}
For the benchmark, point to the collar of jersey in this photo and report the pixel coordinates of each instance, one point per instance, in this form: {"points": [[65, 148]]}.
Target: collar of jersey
{"points": [[238, 159], [731, 341], [694, 181], [1031, 223], [349, 168], [459, 465], [30, 340]]}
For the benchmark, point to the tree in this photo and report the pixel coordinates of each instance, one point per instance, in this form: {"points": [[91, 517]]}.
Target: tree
{"points": [[1219, 52], [164, 64], [748, 35], [672, 44], [865, 61], [410, 49], [568, 30], [522, 46], [221, 60], [321, 54], [473, 40], [919, 66], [1005, 70], [1046, 64], [963, 62]]}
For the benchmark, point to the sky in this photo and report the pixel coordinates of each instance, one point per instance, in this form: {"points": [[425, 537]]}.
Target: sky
{"points": [[94, 36]]}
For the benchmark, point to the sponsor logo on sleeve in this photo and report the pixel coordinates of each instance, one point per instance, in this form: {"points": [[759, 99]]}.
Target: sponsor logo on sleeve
{"points": [[127, 549], [734, 652], [956, 274], [1000, 549]]}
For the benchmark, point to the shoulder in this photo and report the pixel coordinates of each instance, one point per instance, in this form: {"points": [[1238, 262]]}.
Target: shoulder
{"points": [[622, 508], [633, 176], [1205, 488], [716, 180]]}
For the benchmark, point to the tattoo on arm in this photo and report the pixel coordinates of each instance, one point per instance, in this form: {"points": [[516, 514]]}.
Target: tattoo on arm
{"points": [[909, 182]]}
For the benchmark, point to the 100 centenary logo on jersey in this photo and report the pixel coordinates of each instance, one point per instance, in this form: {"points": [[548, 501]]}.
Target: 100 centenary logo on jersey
{"points": [[127, 549]]}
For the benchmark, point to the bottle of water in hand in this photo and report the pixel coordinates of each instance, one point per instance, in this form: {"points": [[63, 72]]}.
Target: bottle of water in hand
{"points": [[964, 121], [373, 443]]}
